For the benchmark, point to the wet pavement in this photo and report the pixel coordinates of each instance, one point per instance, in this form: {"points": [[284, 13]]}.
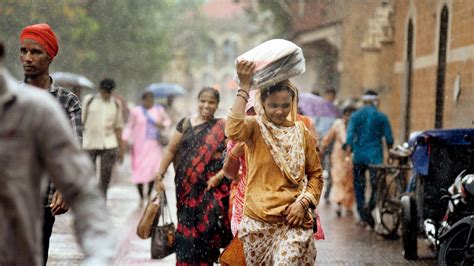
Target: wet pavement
{"points": [[346, 243]]}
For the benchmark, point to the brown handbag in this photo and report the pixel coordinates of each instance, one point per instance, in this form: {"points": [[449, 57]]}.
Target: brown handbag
{"points": [[233, 254], [152, 210], [163, 236]]}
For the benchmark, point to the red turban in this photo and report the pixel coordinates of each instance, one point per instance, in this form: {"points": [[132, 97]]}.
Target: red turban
{"points": [[42, 34]]}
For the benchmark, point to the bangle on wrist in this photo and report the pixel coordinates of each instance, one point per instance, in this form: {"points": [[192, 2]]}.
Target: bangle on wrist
{"points": [[243, 97], [304, 204], [244, 91]]}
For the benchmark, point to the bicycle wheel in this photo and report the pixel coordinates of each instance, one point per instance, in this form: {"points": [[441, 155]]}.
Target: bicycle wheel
{"points": [[452, 250], [389, 205]]}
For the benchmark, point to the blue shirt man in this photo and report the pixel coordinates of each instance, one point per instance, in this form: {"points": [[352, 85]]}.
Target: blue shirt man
{"points": [[367, 127], [365, 133]]}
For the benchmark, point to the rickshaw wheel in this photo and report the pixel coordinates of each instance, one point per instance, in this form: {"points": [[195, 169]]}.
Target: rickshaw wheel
{"points": [[409, 228]]}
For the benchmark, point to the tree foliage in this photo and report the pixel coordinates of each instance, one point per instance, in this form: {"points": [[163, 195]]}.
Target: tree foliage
{"points": [[281, 15], [130, 41]]}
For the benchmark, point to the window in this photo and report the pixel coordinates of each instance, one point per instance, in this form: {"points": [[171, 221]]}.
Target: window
{"points": [[441, 73], [408, 84]]}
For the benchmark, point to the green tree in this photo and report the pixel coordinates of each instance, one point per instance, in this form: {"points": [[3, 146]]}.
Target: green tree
{"points": [[68, 18], [130, 41]]}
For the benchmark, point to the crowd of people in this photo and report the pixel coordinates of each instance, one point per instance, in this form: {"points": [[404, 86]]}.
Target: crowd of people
{"points": [[256, 175]]}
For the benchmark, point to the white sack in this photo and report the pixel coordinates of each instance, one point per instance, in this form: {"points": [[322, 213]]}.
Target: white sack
{"points": [[276, 60]]}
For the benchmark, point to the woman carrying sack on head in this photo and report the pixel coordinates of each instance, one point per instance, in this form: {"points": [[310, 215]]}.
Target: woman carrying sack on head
{"points": [[284, 175], [202, 191]]}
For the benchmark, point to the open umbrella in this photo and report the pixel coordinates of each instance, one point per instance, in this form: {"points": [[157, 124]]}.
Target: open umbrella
{"points": [[313, 105], [320, 110], [163, 90], [67, 79]]}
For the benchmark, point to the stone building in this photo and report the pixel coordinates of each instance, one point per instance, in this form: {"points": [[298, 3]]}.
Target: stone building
{"points": [[331, 33], [433, 67], [417, 54]]}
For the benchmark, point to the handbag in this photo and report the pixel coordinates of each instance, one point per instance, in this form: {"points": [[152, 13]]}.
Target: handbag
{"points": [[317, 228], [152, 210], [163, 139], [163, 237], [233, 254]]}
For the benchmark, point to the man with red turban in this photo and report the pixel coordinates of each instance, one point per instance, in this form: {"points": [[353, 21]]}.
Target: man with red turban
{"points": [[39, 46]]}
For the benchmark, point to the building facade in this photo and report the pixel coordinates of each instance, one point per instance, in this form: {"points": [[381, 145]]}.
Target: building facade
{"points": [[433, 66], [417, 54]]}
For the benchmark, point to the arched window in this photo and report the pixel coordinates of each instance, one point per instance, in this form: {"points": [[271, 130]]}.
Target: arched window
{"points": [[441, 73], [408, 84]]}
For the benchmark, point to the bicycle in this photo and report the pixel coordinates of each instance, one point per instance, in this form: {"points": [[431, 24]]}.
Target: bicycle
{"points": [[391, 184]]}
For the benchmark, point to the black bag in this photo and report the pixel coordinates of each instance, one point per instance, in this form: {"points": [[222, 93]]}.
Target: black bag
{"points": [[162, 138], [163, 236]]}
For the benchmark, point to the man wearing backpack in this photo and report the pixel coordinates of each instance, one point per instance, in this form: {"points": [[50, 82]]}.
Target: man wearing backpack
{"points": [[102, 121]]}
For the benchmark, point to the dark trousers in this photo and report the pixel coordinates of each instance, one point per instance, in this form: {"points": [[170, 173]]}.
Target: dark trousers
{"points": [[48, 223], [359, 188], [107, 160], [327, 166], [150, 188]]}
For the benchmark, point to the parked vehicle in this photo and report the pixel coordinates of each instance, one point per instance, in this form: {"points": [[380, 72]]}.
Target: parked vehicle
{"points": [[438, 157], [455, 237]]}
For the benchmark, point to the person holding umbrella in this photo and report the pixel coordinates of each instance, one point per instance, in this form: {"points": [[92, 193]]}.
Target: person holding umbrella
{"points": [[143, 130], [168, 91], [342, 189]]}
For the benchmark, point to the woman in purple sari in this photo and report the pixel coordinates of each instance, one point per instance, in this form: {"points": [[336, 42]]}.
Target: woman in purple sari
{"points": [[202, 192]]}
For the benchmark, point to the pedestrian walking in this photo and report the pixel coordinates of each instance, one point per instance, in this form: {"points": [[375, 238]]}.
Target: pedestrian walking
{"points": [[202, 192], [235, 165], [38, 48], [142, 131], [37, 142], [102, 120], [342, 191], [276, 227], [324, 125], [367, 129]]}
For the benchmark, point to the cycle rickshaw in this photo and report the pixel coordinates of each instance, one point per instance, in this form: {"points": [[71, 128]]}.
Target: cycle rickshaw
{"points": [[438, 157]]}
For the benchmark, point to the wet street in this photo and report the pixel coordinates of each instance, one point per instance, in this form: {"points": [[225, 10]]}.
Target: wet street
{"points": [[345, 244]]}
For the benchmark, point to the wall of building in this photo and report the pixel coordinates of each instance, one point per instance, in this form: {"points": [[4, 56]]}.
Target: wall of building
{"points": [[367, 60], [460, 54], [341, 24]]}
